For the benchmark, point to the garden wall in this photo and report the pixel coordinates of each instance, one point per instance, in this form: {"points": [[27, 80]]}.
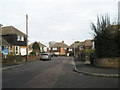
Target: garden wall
{"points": [[107, 62]]}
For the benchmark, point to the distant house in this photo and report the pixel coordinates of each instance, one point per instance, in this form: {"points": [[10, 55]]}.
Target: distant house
{"points": [[88, 44], [15, 39], [43, 48], [76, 47], [59, 48], [73, 48]]}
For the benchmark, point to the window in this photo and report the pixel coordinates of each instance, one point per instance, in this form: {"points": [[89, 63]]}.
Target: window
{"points": [[20, 38], [17, 50], [70, 50], [49, 48], [81, 48], [54, 48], [10, 47]]}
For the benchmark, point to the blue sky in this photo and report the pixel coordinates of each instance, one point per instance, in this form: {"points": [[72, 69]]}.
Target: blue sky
{"points": [[56, 20]]}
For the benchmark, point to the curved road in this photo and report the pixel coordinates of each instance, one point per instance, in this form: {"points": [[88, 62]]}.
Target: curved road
{"points": [[57, 73]]}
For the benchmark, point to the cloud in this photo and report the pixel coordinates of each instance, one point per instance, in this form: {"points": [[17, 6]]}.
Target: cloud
{"points": [[55, 19]]}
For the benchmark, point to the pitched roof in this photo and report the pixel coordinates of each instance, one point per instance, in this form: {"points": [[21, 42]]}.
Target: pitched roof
{"points": [[60, 44], [88, 42], [76, 44], [40, 44], [11, 30]]}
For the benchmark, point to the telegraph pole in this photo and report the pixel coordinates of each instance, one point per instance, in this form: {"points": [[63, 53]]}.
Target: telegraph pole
{"points": [[26, 38], [74, 46]]}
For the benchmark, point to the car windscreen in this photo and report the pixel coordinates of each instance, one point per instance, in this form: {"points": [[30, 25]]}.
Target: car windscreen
{"points": [[44, 54]]}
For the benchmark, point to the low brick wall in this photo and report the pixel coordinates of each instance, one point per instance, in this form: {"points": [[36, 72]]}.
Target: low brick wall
{"points": [[31, 58], [14, 60], [107, 62]]}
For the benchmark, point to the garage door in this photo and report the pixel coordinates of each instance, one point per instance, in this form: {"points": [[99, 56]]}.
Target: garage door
{"points": [[23, 51]]}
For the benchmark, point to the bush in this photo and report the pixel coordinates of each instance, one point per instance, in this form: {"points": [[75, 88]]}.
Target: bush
{"points": [[87, 52], [106, 38], [32, 54], [11, 56]]}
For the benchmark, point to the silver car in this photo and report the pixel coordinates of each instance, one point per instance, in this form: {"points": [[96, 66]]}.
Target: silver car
{"points": [[45, 56]]}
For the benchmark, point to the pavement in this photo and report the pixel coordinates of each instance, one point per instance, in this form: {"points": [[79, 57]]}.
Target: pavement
{"points": [[87, 69], [7, 66]]}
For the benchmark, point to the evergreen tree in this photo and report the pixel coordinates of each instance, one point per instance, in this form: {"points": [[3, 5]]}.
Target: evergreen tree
{"points": [[36, 47], [106, 41]]}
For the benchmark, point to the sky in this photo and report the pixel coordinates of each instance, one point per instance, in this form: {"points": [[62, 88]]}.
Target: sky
{"points": [[56, 20]]}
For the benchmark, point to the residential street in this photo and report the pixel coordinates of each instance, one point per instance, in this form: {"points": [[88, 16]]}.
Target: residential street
{"points": [[57, 73]]}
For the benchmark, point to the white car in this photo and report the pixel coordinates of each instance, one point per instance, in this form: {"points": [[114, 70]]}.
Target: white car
{"points": [[45, 56]]}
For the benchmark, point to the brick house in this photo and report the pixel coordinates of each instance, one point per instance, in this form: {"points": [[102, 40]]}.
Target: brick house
{"points": [[89, 44], [78, 46], [16, 40], [43, 48], [59, 48], [73, 48]]}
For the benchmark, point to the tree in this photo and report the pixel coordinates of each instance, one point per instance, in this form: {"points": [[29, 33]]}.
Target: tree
{"points": [[105, 42], [36, 48]]}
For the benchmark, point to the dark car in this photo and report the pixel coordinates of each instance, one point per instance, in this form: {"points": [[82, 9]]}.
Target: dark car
{"points": [[45, 56], [54, 55]]}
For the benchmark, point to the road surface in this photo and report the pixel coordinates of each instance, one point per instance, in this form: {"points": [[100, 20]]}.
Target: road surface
{"points": [[57, 73]]}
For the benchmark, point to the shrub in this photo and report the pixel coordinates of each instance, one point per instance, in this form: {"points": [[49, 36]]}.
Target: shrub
{"points": [[106, 39], [11, 56], [32, 54], [87, 51]]}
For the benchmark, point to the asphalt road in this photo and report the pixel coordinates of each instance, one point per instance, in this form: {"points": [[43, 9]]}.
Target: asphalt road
{"points": [[57, 73]]}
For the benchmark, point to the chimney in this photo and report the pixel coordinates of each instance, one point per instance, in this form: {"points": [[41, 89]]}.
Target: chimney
{"points": [[62, 41]]}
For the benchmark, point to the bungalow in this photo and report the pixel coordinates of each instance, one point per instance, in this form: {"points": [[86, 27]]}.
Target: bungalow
{"points": [[59, 48], [43, 48], [14, 40]]}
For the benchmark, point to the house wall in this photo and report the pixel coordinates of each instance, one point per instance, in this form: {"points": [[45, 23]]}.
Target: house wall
{"points": [[12, 39], [62, 51]]}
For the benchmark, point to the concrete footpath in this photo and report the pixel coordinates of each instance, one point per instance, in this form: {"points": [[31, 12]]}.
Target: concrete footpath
{"points": [[88, 69], [8, 66]]}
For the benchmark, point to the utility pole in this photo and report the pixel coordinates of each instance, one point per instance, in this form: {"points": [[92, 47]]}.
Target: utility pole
{"points": [[26, 38], [74, 49]]}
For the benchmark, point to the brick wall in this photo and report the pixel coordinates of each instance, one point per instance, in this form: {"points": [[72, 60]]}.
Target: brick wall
{"points": [[107, 62]]}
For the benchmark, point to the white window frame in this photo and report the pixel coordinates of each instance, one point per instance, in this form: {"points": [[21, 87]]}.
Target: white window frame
{"points": [[20, 38], [81, 48], [54, 48], [17, 52], [70, 49]]}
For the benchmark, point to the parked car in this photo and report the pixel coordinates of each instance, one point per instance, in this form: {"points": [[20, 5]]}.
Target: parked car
{"points": [[45, 56], [54, 55]]}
